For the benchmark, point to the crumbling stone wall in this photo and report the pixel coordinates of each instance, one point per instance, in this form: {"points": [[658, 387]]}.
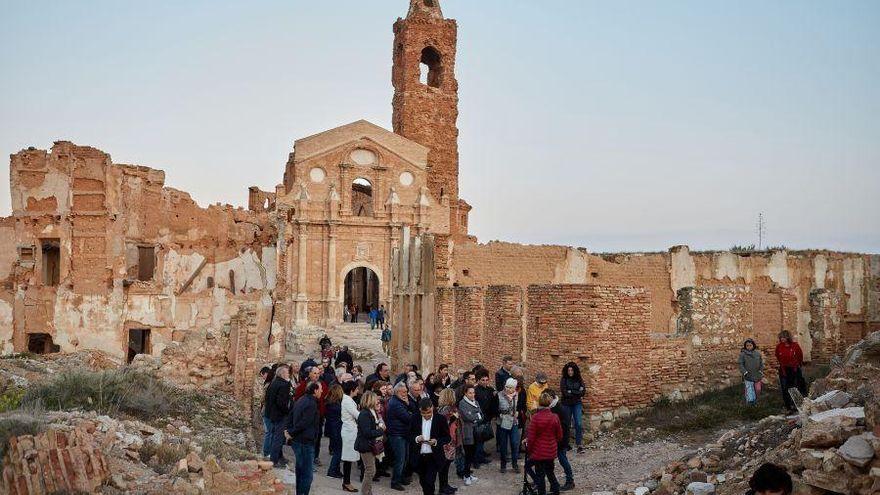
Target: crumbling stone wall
{"points": [[607, 330], [132, 254], [776, 280]]}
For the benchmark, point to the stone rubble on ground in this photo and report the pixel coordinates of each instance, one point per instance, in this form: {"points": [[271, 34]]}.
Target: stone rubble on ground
{"points": [[832, 446], [85, 452]]}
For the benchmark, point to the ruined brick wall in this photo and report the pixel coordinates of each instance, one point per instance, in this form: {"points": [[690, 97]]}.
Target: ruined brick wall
{"points": [[503, 323], [651, 271], [603, 329], [132, 254], [469, 318]]}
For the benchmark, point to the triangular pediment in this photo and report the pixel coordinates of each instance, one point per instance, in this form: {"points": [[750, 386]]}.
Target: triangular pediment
{"points": [[318, 144]]}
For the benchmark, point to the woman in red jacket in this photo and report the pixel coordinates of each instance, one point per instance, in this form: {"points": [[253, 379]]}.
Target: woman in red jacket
{"points": [[790, 358], [543, 434]]}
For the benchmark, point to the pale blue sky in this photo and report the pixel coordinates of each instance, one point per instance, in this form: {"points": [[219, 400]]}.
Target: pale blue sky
{"points": [[613, 125]]}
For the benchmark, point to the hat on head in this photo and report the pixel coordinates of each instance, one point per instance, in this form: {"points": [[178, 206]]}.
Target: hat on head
{"points": [[541, 377]]}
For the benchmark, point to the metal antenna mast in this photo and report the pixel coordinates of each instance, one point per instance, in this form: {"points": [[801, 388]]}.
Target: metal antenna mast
{"points": [[761, 230]]}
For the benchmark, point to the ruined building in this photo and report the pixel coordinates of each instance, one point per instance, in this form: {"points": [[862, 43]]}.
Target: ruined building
{"points": [[102, 255]]}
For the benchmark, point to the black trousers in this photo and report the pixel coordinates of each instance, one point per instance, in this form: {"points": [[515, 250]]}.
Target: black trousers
{"points": [[427, 473], [443, 474], [544, 471]]}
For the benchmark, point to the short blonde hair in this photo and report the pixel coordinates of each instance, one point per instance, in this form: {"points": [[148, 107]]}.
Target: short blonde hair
{"points": [[368, 401], [447, 398]]}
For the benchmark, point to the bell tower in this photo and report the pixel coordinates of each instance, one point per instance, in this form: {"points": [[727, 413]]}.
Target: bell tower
{"points": [[425, 105]]}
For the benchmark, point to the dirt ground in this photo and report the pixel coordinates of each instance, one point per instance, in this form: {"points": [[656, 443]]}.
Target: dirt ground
{"points": [[606, 463]]}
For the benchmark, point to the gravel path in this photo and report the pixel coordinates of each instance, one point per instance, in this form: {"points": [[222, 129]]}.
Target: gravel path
{"points": [[606, 463]]}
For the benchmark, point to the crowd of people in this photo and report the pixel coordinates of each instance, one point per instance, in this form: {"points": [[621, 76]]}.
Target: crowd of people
{"points": [[436, 426], [433, 427], [791, 361]]}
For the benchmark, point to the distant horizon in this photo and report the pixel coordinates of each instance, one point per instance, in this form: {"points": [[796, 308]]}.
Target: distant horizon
{"points": [[613, 128]]}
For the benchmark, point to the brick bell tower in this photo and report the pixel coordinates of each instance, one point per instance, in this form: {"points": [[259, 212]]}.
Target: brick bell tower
{"points": [[425, 104]]}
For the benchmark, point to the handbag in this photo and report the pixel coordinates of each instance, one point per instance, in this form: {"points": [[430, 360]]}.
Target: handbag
{"points": [[483, 432], [378, 446], [449, 451]]}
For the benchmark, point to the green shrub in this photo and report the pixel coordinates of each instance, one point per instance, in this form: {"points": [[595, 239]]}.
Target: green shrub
{"points": [[11, 399], [110, 392]]}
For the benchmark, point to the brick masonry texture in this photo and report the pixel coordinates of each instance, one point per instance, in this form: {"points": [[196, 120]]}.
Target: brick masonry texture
{"points": [[54, 462]]}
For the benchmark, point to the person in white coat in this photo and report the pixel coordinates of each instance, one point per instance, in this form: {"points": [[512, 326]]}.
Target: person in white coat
{"points": [[350, 414]]}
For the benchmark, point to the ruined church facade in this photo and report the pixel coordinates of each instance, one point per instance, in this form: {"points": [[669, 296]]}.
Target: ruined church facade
{"points": [[103, 255]]}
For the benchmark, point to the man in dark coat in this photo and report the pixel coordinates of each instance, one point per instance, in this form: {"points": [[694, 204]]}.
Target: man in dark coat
{"points": [[398, 417], [344, 357], [503, 373], [431, 433], [277, 402], [303, 429], [383, 372], [564, 444], [304, 367], [487, 399]]}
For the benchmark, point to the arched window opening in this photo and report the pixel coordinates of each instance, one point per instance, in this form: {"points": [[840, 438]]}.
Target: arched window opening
{"points": [[428, 3], [430, 72], [361, 198]]}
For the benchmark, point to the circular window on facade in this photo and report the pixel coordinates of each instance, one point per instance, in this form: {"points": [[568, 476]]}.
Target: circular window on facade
{"points": [[363, 157], [317, 174], [406, 179]]}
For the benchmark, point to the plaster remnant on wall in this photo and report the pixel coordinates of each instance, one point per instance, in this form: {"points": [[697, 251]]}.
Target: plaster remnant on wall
{"points": [[572, 270], [684, 271], [820, 268], [727, 266], [853, 284], [777, 269], [5, 327]]}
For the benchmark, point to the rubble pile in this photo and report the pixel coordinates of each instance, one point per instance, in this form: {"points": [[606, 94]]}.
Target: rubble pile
{"points": [[832, 446], [207, 452]]}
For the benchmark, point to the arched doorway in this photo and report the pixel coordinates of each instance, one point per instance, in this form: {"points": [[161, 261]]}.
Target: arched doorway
{"points": [[361, 291]]}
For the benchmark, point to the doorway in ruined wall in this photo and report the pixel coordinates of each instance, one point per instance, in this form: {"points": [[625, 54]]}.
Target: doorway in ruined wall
{"points": [[361, 291], [138, 342], [41, 343]]}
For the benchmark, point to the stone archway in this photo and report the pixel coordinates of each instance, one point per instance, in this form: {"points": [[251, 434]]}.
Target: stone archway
{"points": [[361, 290]]}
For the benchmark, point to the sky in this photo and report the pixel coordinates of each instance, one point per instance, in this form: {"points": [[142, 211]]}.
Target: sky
{"points": [[614, 125]]}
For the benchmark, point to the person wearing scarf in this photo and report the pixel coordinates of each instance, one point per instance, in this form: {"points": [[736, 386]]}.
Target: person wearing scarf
{"points": [[471, 415], [508, 430]]}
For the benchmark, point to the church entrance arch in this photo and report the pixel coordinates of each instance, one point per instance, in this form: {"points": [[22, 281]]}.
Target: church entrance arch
{"points": [[361, 291]]}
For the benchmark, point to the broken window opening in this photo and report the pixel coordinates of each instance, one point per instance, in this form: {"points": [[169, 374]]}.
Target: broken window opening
{"points": [[26, 254], [41, 343], [361, 198], [138, 342], [51, 249], [428, 3], [146, 262], [430, 72]]}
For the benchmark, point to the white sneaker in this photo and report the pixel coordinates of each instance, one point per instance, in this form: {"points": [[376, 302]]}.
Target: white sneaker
{"points": [[469, 481], [474, 479]]}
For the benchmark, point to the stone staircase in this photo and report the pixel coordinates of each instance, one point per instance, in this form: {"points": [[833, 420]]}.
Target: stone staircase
{"points": [[364, 344]]}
